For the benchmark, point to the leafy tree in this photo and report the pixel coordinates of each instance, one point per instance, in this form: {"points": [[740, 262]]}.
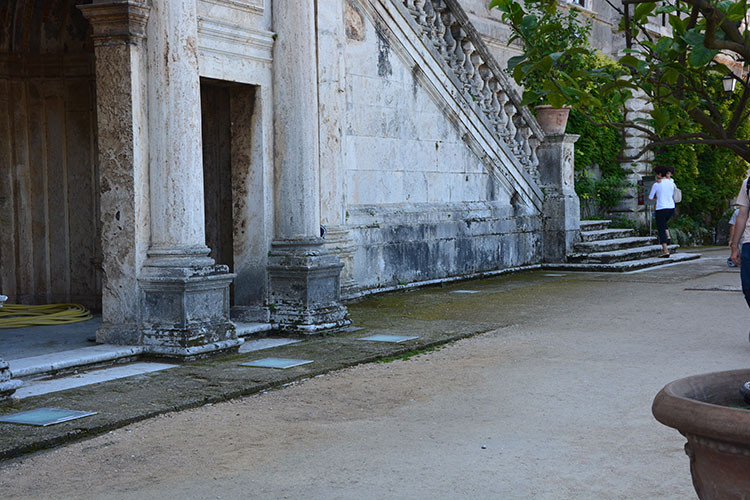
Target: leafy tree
{"points": [[710, 41]]}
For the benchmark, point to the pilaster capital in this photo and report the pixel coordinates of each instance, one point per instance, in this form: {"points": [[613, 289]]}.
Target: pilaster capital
{"points": [[117, 22]]}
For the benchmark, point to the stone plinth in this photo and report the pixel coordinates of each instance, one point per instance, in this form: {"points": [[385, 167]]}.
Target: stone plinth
{"points": [[305, 289], [7, 385], [561, 210], [186, 310]]}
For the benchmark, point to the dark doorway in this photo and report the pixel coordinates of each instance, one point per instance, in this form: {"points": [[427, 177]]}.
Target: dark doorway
{"points": [[217, 170]]}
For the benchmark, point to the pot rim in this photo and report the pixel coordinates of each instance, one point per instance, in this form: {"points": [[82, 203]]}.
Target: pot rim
{"points": [[674, 407]]}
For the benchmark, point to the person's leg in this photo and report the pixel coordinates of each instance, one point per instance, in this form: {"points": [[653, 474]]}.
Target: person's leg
{"points": [[661, 226], [745, 271], [670, 213]]}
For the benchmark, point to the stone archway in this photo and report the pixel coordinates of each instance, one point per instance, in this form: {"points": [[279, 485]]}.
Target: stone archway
{"points": [[49, 184]]}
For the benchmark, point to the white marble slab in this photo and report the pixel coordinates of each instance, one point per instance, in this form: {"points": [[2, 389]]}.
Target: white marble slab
{"points": [[25, 367], [93, 377], [260, 344]]}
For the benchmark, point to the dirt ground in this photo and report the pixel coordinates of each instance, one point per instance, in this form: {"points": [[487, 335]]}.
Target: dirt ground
{"points": [[556, 406]]}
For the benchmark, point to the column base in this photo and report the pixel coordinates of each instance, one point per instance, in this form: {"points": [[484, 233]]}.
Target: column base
{"points": [[338, 242], [7, 385], [185, 311], [305, 294]]}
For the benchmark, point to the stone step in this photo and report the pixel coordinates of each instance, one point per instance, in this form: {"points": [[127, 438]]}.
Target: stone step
{"points": [[614, 244], [594, 225], [245, 328], [630, 265], [610, 256], [606, 234]]}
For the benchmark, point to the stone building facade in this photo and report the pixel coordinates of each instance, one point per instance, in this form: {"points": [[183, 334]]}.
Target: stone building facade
{"points": [[176, 163]]}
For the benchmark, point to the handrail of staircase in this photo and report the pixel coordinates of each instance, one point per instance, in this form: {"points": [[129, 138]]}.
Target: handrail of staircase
{"points": [[449, 30]]}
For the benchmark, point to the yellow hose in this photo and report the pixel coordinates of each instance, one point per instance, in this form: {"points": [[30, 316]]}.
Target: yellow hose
{"points": [[17, 315]]}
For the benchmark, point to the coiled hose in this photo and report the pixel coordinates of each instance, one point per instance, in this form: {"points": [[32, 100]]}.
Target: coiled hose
{"points": [[18, 315]]}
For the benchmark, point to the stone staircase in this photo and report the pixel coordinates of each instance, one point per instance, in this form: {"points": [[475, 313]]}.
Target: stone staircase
{"points": [[437, 37], [618, 250]]}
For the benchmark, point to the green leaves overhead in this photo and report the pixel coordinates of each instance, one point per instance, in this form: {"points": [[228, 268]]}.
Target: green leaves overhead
{"points": [[681, 67]]}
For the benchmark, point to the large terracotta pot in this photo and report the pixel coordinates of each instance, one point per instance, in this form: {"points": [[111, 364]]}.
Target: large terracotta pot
{"points": [[718, 435], [552, 120]]}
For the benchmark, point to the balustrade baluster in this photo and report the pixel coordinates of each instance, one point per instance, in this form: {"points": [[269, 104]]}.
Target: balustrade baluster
{"points": [[420, 12], [445, 31], [485, 74], [438, 7], [476, 80], [429, 21], [450, 42], [534, 144], [468, 50], [510, 110], [525, 146], [503, 117], [458, 54], [495, 107]]}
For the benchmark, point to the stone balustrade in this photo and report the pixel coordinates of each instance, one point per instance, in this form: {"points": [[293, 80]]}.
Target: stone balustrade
{"points": [[446, 27]]}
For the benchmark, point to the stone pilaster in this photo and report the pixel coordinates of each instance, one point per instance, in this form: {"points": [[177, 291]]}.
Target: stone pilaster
{"points": [[561, 212], [118, 32], [331, 109], [635, 140], [303, 275], [185, 296]]}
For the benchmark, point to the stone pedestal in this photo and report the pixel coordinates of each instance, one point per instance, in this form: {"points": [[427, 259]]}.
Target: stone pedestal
{"points": [[305, 289], [185, 309], [304, 292], [561, 210], [7, 385], [185, 296]]}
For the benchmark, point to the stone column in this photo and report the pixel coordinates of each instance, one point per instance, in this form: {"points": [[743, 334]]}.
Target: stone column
{"points": [[185, 296], [561, 210], [118, 32], [303, 275]]}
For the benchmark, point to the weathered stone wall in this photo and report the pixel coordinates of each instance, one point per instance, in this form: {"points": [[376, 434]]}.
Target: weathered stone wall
{"points": [[420, 202]]}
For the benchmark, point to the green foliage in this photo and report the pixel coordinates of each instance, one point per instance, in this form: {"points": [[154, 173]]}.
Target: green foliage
{"points": [[555, 51], [707, 176], [709, 41], [598, 148], [686, 231], [620, 221]]}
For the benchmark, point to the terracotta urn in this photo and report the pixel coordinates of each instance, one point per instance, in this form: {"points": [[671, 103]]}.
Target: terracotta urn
{"points": [[710, 412], [552, 120]]}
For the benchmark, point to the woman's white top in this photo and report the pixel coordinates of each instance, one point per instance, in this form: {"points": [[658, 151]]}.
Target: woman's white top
{"points": [[664, 192]]}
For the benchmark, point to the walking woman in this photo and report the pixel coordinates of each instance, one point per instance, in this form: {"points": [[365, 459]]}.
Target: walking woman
{"points": [[663, 191]]}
